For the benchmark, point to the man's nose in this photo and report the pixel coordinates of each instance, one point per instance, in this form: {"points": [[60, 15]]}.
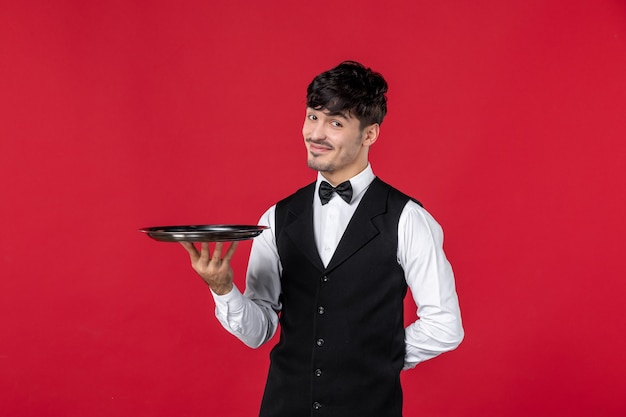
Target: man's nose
{"points": [[318, 131]]}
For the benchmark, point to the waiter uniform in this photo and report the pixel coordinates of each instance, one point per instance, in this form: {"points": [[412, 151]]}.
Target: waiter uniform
{"points": [[339, 296]]}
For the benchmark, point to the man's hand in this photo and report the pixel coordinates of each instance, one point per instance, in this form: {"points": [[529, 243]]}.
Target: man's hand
{"points": [[214, 270]]}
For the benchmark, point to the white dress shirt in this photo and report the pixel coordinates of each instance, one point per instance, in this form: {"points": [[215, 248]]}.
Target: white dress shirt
{"points": [[252, 316]]}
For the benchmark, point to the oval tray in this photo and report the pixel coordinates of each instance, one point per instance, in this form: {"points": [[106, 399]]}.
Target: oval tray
{"points": [[203, 232]]}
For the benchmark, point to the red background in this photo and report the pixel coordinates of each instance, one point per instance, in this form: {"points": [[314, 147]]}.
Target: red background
{"points": [[506, 118]]}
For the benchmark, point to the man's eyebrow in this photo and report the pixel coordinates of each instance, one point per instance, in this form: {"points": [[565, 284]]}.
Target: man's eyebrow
{"points": [[337, 114], [343, 114]]}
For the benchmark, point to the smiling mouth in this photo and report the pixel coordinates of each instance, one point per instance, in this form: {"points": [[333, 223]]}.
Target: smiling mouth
{"points": [[319, 147]]}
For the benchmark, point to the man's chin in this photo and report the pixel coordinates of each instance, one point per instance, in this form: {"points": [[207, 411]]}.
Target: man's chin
{"points": [[318, 166]]}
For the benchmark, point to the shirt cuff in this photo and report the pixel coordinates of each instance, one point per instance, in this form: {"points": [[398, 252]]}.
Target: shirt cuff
{"points": [[232, 299]]}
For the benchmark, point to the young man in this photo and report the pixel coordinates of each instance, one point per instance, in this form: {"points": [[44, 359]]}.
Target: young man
{"points": [[334, 268]]}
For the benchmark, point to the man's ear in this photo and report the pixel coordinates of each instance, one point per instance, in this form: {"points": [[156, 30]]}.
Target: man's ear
{"points": [[370, 134]]}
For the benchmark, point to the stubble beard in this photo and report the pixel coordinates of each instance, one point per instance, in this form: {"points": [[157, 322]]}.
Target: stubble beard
{"points": [[319, 166], [314, 163]]}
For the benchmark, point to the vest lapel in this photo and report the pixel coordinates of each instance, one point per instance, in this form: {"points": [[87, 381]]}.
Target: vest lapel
{"points": [[299, 225], [361, 228]]}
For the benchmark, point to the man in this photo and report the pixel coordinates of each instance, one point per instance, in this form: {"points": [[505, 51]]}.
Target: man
{"points": [[334, 268]]}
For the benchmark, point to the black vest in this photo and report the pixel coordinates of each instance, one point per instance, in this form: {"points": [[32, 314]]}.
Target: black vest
{"points": [[341, 345]]}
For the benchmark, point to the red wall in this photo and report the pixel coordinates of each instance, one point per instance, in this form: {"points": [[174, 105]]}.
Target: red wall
{"points": [[507, 119]]}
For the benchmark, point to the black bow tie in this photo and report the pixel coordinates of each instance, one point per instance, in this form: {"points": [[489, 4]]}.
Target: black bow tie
{"points": [[344, 190]]}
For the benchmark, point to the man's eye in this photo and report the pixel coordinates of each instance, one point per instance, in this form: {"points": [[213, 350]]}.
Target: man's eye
{"points": [[335, 123], [312, 117]]}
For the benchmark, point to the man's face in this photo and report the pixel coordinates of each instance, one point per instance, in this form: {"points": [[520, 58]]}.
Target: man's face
{"points": [[336, 144]]}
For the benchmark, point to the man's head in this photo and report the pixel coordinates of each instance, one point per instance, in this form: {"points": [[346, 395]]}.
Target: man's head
{"points": [[345, 107], [352, 89]]}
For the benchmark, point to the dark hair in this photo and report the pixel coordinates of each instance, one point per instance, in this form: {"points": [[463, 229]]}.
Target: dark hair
{"points": [[352, 88]]}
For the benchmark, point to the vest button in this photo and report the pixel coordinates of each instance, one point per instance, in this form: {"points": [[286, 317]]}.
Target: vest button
{"points": [[318, 373], [324, 278], [320, 342], [320, 310], [316, 405]]}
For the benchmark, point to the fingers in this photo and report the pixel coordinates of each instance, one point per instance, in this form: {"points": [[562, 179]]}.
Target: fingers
{"points": [[191, 249], [231, 251], [214, 270], [217, 252], [204, 255], [219, 248]]}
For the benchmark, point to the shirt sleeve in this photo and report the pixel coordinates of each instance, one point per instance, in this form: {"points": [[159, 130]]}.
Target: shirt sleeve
{"points": [[253, 316], [429, 276]]}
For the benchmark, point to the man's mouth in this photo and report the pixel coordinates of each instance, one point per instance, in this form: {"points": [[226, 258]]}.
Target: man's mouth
{"points": [[319, 147]]}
